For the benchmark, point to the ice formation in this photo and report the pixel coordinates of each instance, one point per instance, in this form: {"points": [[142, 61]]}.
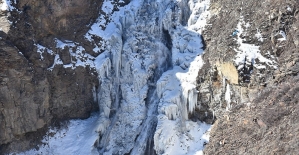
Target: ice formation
{"points": [[152, 37], [147, 75], [227, 97]]}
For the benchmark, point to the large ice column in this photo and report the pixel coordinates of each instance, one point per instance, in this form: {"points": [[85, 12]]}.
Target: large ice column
{"points": [[192, 99], [103, 67], [108, 68], [115, 52], [137, 54]]}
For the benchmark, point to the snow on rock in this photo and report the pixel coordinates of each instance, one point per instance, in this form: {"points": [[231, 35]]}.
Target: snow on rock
{"points": [[57, 61], [283, 35], [259, 36], [249, 53], [66, 43], [78, 55], [41, 49]]}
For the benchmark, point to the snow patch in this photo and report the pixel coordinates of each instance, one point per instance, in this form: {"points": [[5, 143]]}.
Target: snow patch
{"points": [[62, 44], [78, 55], [259, 36], [249, 52], [41, 49], [78, 137], [283, 35], [57, 61], [190, 142], [7, 5]]}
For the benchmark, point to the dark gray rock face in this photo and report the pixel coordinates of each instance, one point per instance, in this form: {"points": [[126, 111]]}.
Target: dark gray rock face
{"points": [[66, 19], [32, 97], [262, 100]]}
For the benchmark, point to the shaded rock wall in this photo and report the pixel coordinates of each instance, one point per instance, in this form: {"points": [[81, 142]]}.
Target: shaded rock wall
{"points": [[66, 19], [32, 97]]}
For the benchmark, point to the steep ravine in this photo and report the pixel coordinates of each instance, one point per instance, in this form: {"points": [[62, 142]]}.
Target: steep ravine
{"points": [[154, 72]]}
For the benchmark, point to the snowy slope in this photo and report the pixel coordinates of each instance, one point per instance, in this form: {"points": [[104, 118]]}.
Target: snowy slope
{"points": [[78, 138], [147, 72]]}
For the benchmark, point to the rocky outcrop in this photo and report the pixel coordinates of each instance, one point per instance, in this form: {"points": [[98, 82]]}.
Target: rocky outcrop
{"points": [[24, 102], [268, 125], [259, 41], [34, 97], [67, 19]]}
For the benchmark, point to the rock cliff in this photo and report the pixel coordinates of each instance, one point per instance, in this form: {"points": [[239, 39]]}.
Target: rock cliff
{"points": [[32, 96], [249, 79]]}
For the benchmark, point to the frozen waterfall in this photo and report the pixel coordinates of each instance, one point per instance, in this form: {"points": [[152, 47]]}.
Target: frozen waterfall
{"points": [[153, 57], [147, 75]]}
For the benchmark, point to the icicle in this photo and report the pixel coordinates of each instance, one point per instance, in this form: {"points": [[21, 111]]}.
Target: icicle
{"points": [[171, 111], [192, 100], [228, 97]]}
